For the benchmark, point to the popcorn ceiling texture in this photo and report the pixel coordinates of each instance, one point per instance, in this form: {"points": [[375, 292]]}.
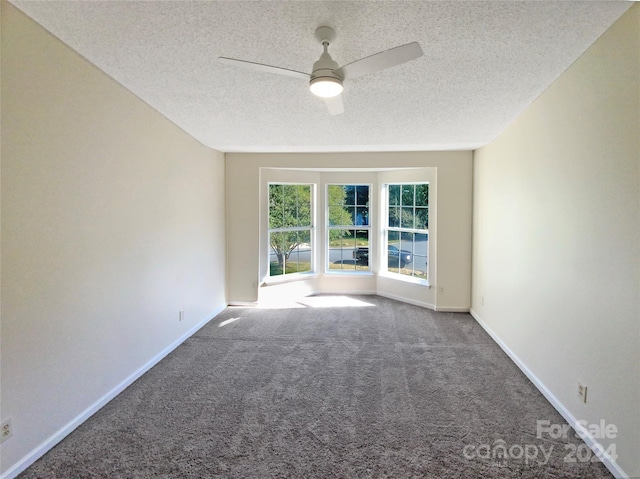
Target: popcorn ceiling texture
{"points": [[484, 63]]}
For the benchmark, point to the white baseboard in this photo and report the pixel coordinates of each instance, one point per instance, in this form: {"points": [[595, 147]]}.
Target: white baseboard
{"points": [[63, 432], [363, 292], [243, 304], [407, 300], [445, 309], [452, 309], [597, 448]]}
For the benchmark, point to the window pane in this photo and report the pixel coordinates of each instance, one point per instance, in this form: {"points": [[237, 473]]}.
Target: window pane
{"points": [[397, 253], [360, 252], [362, 215], [421, 245], [290, 207], [276, 254], [293, 261], [301, 253], [407, 238], [422, 218], [362, 238], [422, 194], [350, 216], [394, 217], [289, 191], [343, 257], [407, 218], [338, 216], [362, 195], [275, 206], [404, 256], [407, 195], [394, 195], [304, 238], [348, 250], [419, 267], [290, 252], [336, 194], [393, 250], [350, 195], [304, 205], [336, 235]]}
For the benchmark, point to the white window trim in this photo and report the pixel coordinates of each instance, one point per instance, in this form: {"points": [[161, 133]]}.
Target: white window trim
{"points": [[284, 278], [327, 227], [384, 232]]}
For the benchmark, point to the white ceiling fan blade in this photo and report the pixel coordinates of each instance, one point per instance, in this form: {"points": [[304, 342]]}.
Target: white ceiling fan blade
{"points": [[334, 105], [263, 68], [380, 61]]}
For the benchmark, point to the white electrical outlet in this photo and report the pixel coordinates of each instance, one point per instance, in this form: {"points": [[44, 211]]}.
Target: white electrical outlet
{"points": [[6, 429], [483, 301], [180, 315], [582, 392]]}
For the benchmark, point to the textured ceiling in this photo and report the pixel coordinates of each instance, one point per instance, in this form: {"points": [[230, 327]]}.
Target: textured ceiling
{"points": [[484, 62]]}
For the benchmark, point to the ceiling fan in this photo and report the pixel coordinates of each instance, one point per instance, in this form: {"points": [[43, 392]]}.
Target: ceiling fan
{"points": [[326, 78]]}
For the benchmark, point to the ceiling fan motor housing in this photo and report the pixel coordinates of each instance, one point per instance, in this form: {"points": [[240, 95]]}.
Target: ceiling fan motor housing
{"points": [[324, 73], [325, 68]]}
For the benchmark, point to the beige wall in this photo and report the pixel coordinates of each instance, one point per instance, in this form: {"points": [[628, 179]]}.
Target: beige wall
{"points": [[450, 288], [557, 237], [112, 222]]}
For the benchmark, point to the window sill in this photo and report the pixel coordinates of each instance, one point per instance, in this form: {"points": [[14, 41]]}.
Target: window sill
{"points": [[288, 278], [405, 279], [338, 272]]}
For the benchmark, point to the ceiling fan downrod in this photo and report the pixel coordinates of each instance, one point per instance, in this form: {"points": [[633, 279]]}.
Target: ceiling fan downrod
{"points": [[325, 82]]}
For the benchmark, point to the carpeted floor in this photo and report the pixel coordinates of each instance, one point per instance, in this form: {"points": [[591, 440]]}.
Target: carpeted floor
{"points": [[380, 389]]}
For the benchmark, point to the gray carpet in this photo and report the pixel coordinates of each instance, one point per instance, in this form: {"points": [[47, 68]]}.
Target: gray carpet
{"points": [[387, 391]]}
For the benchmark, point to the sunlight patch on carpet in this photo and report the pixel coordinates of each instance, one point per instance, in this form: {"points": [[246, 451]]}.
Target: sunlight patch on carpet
{"points": [[224, 323], [328, 301]]}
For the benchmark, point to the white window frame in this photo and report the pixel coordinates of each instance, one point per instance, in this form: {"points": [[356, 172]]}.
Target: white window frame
{"points": [[312, 235], [386, 229], [329, 227]]}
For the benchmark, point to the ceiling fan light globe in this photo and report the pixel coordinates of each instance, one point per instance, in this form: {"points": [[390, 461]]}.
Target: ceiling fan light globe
{"points": [[326, 87]]}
